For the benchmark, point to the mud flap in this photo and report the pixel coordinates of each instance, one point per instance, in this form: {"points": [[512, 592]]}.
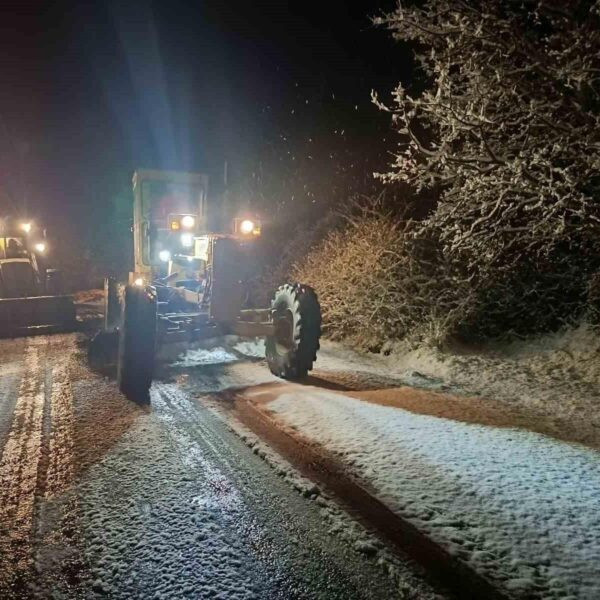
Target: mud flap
{"points": [[36, 315]]}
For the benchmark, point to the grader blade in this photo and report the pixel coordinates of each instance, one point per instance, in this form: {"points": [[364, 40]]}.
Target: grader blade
{"points": [[36, 315]]}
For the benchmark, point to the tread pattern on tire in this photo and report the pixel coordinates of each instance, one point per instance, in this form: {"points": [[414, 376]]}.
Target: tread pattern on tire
{"points": [[137, 341], [296, 362]]}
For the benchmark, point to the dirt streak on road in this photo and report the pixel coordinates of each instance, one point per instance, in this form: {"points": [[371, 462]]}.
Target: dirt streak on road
{"points": [[20, 460], [320, 465]]}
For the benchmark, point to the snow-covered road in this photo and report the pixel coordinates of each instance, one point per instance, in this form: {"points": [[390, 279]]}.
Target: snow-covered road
{"points": [[519, 507], [522, 508], [100, 497], [104, 498]]}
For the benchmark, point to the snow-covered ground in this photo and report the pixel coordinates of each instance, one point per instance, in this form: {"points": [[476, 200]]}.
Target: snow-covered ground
{"points": [[521, 507], [555, 376], [550, 384], [474, 448], [104, 498]]}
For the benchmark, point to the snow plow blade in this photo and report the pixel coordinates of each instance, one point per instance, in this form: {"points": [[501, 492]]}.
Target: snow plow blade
{"points": [[36, 315]]}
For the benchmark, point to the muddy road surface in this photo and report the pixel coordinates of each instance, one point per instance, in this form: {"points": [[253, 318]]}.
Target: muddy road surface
{"points": [[100, 497]]}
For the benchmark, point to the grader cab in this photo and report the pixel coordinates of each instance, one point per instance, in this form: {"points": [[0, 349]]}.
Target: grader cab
{"points": [[188, 284]]}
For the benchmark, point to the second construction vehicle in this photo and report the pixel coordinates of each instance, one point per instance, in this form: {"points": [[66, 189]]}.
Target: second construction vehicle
{"points": [[30, 301]]}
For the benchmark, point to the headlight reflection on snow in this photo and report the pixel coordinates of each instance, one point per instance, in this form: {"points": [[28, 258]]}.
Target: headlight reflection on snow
{"points": [[219, 494]]}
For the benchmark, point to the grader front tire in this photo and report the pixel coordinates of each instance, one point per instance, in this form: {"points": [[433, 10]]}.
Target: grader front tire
{"points": [[292, 349], [137, 343]]}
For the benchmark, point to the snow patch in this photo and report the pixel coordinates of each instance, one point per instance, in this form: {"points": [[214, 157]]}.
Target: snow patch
{"points": [[155, 526], [520, 507], [254, 348], [211, 351], [339, 522], [201, 356]]}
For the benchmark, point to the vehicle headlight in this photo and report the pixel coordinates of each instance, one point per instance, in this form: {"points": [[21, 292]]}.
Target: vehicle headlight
{"points": [[187, 239], [40, 247], [139, 281], [26, 227], [188, 221], [246, 226], [164, 255]]}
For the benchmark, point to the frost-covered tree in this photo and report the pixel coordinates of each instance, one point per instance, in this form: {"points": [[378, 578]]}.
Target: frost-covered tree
{"points": [[507, 131]]}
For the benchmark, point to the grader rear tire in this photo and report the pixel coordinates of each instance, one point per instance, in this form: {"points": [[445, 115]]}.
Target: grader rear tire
{"points": [[292, 349], [137, 343]]}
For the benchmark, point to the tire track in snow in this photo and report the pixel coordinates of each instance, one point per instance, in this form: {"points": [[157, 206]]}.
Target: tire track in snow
{"points": [[11, 357], [280, 540], [37, 459], [60, 466], [56, 542], [168, 401], [19, 464]]}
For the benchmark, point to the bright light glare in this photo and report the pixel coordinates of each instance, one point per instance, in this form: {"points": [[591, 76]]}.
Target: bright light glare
{"points": [[246, 226], [188, 221], [26, 227], [164, 255], [187, 239], [190, 258], [139, 282], [40, 247]]}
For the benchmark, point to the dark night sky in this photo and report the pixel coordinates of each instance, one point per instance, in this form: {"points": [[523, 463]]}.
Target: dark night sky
{"points": [[91, 90]]}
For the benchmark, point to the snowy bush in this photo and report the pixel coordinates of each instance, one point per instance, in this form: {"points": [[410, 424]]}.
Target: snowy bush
{"points": [[507, 131], [276, 252], [376, 281]]}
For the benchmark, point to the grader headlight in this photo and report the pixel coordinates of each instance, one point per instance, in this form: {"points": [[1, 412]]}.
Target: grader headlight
{"points": [[188, 222], [178, 222], [26, 227], [40, 247], [247, 227]]}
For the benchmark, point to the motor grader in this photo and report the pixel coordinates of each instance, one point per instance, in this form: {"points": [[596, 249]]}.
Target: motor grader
{"points": [[30, 302], [189, 284]]}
